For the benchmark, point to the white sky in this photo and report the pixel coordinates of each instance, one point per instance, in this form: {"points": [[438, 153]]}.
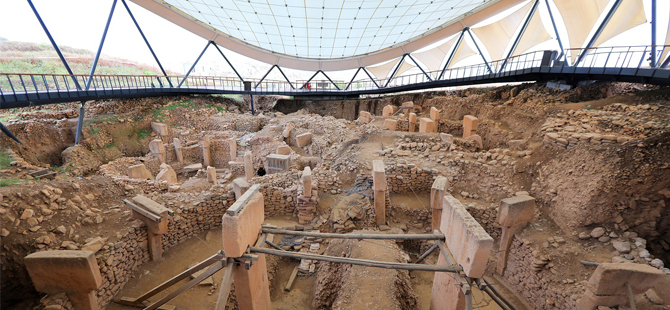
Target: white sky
{"points": [[79, 23]]}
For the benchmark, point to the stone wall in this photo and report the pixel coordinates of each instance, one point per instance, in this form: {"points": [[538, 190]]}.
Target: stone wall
{"points": [[408, 177]]}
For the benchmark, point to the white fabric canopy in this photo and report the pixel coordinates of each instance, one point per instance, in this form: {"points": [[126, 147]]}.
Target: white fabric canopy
{"points": [[497, 36], [535, 34], [464, 51], [629, 14], [433, 57], [382, 71], [406, 65], [580, 16], [667, 49]]}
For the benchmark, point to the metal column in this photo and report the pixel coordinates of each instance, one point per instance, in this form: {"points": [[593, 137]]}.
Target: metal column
{"points": [[595, 36], [194, 64], [417, 64], [226, 58], [653, 33], [80, 124], [55, 46], [102, 42], [146, 41], [453, 53], [395, 70], [352, 78], [324, 74], [479, 50], [253, 111], [518, 38], [558, 37]]}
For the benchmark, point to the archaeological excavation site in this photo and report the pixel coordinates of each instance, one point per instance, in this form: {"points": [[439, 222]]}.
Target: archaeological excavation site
{"points": [[509, 197]]}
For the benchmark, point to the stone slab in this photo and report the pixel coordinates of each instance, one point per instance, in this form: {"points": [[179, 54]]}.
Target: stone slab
{"points": [[611, 278], [477, 139], [240, 186], [53, 272], [252, 287], [248, 166], [283, 150], [446, 292], [364, 116], [304, 139], [211, 175], [379, 175], [306, 180], [466, 238], [140, 172], [167, 174], [516, 211], [179, 151], [387, 111], [390, 124], [241, 230], [426, 125], [470, 124], [160, 128]]}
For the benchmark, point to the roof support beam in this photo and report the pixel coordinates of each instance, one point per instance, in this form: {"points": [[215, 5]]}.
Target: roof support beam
{"points": [[146, 41], [417, 64], [194, 64], [654, 25], [595, 36], [102, 42], [80, 123], [370, 76], [353, 77], [324, 74], [280, 71], [558, 37], [453, 53], [479, 50], [55, 46], [518, 38], [226, 58], [395, 70]]}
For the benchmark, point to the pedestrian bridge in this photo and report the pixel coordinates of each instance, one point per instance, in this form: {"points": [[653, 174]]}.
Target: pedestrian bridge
{"points": [[626, 64]]}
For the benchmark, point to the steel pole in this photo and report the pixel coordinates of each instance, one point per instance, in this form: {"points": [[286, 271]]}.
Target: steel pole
{"points": [[598, 32], [253, 112], [102, 42], [194, 64], [80, 123], [653, 33], [451, 55], [226, 58], [479, 50], [558, 37], [55, 46], [518, 38]]}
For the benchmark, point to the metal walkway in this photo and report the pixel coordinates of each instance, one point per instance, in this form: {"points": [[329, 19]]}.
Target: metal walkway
{"points": [[626, 64]]}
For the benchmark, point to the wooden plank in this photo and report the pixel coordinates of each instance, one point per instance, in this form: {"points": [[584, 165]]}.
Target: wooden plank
{"points": [[291, 279], [356, 261], [151, 206], [437, 236], [208, 273], [240, 203], [226, 283]]}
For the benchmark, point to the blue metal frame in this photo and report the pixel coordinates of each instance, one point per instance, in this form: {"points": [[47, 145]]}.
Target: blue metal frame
{"points": [[395, 70], [80, 124], [102, 42], [355, 74], [9, 133], [194, 64], [653, 33], [226, 58], [370, 76], [324, 74], [595, 36], [280, 71], [521, 32], [417, 64], [558, 37], [452, 54], [53, 43], [478, 49], [146, 41]]}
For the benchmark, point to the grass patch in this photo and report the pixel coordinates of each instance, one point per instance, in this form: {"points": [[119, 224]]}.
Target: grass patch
{"points": [[110, 119], [5, 159], [159, 113], [140, 133], [217, 107], [8, 182], [95, 130]]}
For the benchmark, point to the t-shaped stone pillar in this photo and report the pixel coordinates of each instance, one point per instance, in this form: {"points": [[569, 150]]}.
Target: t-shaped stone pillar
{"points": [[155, 216], [412, 122], [514, 214], [178, 150], [241, 225], [379, 187], [436, 198], [206, 153], [248, 166], [74, 272], [232, 148], [211, 175], [435, 116], [470, 124], [608, 284]]}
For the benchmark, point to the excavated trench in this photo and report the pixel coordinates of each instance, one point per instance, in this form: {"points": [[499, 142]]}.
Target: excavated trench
{"points": [[623, 187]]}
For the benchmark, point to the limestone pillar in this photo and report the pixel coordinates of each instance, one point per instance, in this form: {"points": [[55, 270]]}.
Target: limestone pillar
{"points": [[446, 293], [157, 149], [379, 187], [306, 181], [232, 148], [470, 124], [74, 272], [514, 213], [364, 116], [140, 171], [436, 197], [248, 166], [211, 175], [206, 154], [426, 125], [178, 150], [412, 122], [162, 130], [390, 124], [387, 111], [241, 225], [307, 197], [304, 139], [435, 116], [167, 174], [284, 150], [154, 215]]}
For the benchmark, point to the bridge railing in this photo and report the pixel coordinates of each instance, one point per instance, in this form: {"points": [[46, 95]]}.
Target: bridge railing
{"points": [[18, 84]]}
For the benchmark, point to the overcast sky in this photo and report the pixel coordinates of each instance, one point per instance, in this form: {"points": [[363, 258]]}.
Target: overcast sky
{"points": [[79, 23]]}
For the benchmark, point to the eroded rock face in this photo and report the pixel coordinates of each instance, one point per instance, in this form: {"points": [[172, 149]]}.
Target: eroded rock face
{"points": [[80, 160], [341, 286]]}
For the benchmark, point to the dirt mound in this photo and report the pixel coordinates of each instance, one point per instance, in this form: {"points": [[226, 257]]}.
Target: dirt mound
{"points": [[342, 286]]}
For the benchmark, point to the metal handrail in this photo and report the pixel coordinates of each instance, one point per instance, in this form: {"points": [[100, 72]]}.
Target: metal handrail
{"points": [[13, 85]]}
